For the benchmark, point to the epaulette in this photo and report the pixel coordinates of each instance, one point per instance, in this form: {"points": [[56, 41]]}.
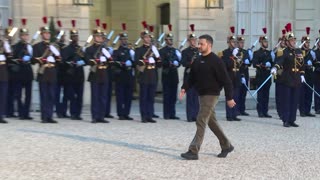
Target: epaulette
{"points": [[303, 53], [279, 53], [220, 54]]}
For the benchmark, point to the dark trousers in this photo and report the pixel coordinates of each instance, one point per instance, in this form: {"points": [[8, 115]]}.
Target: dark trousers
{"points": [[192, 104], [74, 94], [242, 98], [3, 97], [316, 97], [98, 100], [233, 112], [47, 99], [305, 100], [169, 100], [61, 99], [146, 100], [263, 99], [279, 98], [24, 104], [108, 98], [12, 98], [290, 103], [124, 93]]}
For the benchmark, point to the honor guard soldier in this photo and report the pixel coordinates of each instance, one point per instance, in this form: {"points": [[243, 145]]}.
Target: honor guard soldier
{"points": [[147, 59], [47, 56], [74, 60], [262, 61], [5, 56], [291, 78], [61, 100], [246, 56], [123, 74], [13, 71], [170, 58], [278, 87], [189, 55], [99, 59], [22, 53], [110, 75], [317, 76], [233, 60], [306, 93]]}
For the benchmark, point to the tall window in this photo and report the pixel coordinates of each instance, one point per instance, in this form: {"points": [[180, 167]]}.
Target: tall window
{"points": [[4, 13]]}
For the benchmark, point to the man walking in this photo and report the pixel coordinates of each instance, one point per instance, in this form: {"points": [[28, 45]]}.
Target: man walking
{"points": [[208, 68]]}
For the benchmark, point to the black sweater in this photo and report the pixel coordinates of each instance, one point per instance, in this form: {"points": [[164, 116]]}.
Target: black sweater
{"points": [[208, 75]]}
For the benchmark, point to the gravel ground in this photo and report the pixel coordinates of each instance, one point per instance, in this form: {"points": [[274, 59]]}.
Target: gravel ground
{"points": [[133, 150]]}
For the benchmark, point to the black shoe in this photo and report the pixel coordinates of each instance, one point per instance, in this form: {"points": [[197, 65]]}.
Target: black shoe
{"points": [[225, 152], [108, 116], [11, 116], [190, 156], [50, 120], [2, 121], [194, 119], [151, 120], [294, 124], [144, 120], [94, 121], [122, 118], [310, 115], [25, 118], [286, 124], [229, 119], [76, 118], [102, 121], [261, 115], [236, 119], [267, 115], [302, 115], [128, 118], [244, 114], [190, 120], [155, 116], [174, 117], [318, 112], [45, 120]]}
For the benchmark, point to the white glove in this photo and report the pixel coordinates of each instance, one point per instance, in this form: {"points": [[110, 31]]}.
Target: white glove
{"points": [[110, 49], [178, 53], [106, 53], [2, 57], [303, 80], [155, 51], [250, 54], [132, 53], [268, 64], [243, 80], [151, 60], [80, 63], [176, 63], [313, 54], [7, 47], [103, 59], [26, 58], [273, 56], [246, 61], [273, 70], [235, 52], [84, 49], [309, 62], [30, 50], [128, 63], [54, 50], [51, 59]]}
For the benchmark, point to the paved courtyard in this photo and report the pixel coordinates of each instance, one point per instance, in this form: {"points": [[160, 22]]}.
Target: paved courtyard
{"points": [[133, 150]]}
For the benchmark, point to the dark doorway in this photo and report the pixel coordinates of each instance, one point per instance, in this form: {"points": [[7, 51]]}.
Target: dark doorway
{"points": [[165, 13]]}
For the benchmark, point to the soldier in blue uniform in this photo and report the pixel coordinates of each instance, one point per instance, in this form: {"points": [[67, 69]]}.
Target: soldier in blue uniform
{"points": [[47, 55], [73, 62], [292, 64], [170, 57], [263, 60], [99, 59], [123, 72], [246, 56], [147, 59], [233, 62], [189, 55], [316, 64], [22, 53], [306, 93]]}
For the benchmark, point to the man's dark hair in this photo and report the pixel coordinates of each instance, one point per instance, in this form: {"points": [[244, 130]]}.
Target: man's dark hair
{"points": [[207, 37]]}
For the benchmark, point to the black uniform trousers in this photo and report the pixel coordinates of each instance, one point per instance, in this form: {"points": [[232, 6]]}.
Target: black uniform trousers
{"points": [[169, 99], [3, 97], [306, 93], [47, 99], [290, 98], [24, 104], [12, 98], [263, 99], [74, 94], [279, 98], [233, 112], [124, 93], [61, 99], [242, 97], [146, 99], [99, 93]]}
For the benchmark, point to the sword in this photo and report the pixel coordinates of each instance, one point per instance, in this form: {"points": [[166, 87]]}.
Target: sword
{"points": [[312, 89], [250, 93], [110, 35], [137, 42], [254, 44], [183, 43], [270, 76], [276, 47], [116, 39], [35, 37], [300, 46], [315, 44], [161, 37], [13, 31]]}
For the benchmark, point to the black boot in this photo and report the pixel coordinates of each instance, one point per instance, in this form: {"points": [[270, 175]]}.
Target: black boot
{"points": [[2, 121], [190, 155]]}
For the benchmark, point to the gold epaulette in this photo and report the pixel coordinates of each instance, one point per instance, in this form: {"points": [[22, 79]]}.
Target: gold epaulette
{"points": [[303, 53], [2, 62], [94, 61], [279, 53], [277, 66], [220, 54], [302, 72]]}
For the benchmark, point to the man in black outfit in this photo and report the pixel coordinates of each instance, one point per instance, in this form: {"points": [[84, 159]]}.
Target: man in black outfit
{"points": [[208, 68]]}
